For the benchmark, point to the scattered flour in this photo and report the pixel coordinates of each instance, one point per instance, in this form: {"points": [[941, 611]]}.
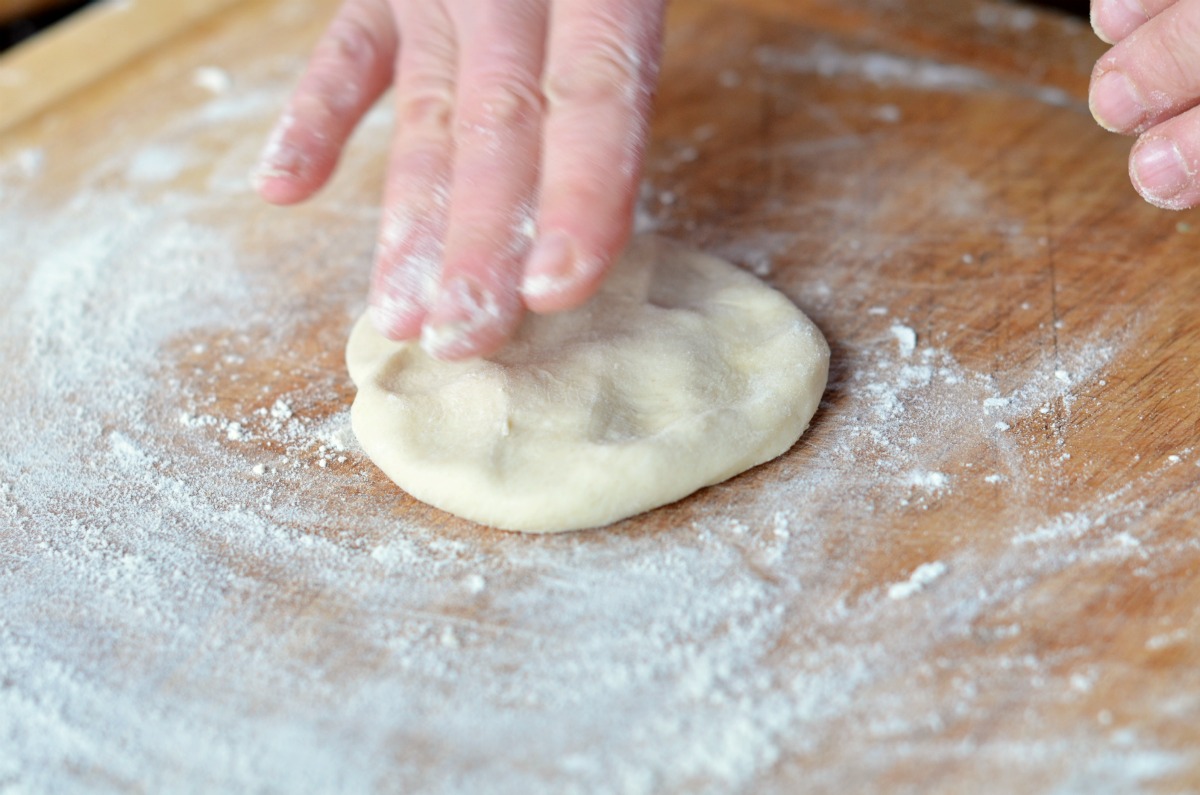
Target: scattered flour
{"points": [[931, 481], [890, 70], [921, 578], [1004, 15], [906, 337], [208, 588], [212, 79], [156, 164]]}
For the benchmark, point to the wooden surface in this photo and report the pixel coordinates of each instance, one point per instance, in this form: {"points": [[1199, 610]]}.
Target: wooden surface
{"points": [[976, 572], [89, 45], [14, 9]]}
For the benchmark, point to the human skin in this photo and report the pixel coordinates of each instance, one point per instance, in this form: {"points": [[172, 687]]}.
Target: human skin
{"points": [[1148, 85], [520, 131], [515, 160]]}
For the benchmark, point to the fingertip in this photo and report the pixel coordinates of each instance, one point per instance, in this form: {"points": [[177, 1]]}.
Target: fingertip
{"points": [[1114, 20], [454, 344], [1161, 174], [1116, 103], [398, 320], [469, 320], [559, 276], [1098, 24], [547, 295], [277, 187], [403, 288], [287, 171]]}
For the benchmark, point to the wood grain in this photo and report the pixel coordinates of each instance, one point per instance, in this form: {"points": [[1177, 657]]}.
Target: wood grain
{"points": [[49, 68], [922, 165]]}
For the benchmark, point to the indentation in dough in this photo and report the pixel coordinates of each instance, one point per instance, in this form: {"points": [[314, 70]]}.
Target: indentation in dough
{"points": [[683, 371]]}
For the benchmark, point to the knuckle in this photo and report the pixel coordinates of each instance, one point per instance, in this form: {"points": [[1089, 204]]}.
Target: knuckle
{"points": [[1179, 51], [341, 65], [606, 70], [352, 45], [500, 103], [426, 108]]}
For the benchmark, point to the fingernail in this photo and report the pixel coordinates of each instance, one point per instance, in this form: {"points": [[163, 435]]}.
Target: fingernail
{"points": [[551, 267], [282, 162], [390, 312], [279, 159], [1113, 20], [1159, 171], [462, 310], [1115, 103]]}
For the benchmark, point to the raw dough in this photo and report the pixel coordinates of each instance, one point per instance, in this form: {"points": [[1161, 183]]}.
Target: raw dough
{"points": [[683, 371]]}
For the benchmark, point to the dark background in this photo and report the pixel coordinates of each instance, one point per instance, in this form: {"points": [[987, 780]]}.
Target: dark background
{"points": [[1077, 7], [15, 31]]}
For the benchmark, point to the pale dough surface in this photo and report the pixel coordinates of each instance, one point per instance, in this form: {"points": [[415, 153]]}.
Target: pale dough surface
{"points": [[682, 372]]}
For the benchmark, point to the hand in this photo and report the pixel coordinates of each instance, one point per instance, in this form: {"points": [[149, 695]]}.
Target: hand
{"points": [[515, 161], [1148, 85]]}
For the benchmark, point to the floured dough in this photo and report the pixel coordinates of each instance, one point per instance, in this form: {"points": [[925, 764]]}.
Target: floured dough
{"points": [[683, 371]]}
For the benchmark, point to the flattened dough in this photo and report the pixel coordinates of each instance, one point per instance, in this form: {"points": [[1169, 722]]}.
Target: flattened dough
{"points": [[682, 372]]}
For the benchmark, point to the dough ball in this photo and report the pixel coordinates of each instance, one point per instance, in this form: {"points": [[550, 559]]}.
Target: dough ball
{"points": [[682, 372]]}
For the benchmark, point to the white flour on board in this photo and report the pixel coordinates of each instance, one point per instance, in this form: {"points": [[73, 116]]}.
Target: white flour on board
{"points": [[203, 594], [888, 69]]}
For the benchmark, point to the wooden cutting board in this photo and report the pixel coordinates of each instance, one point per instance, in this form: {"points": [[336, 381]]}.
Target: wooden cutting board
{"points": [[17, 9], [975, 573]]}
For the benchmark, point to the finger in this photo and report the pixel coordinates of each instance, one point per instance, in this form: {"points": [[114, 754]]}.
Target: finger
{"points": [[497, 131], [350, 68], [1151, 75], [1164, 163], [1113, 20], [416, 191], [599, 79]]}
